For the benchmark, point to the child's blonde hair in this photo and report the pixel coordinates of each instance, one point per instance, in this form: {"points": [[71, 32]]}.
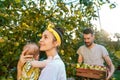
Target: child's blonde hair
{"points": [[33, 49]]}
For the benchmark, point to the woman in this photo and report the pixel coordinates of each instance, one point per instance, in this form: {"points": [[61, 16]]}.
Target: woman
{"points": [[50, 41]]}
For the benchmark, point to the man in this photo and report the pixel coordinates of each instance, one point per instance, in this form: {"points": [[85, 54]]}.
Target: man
{"points": [[94, 54]]}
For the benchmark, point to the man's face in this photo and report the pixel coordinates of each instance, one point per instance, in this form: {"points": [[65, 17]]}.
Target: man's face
{"points": [[88, 39]]}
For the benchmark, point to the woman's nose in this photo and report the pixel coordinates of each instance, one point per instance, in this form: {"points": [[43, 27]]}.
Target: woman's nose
{"points": [[40, 40]]}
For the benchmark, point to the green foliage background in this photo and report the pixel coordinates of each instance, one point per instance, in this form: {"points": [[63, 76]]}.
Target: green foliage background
{"points": [[23, 21]]}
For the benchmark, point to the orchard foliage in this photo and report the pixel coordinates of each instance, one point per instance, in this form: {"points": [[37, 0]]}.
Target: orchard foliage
{"points": [[23, 21]]}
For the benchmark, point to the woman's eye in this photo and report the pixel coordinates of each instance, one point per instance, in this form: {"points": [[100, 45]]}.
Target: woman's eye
{"points": [[45, 37]]}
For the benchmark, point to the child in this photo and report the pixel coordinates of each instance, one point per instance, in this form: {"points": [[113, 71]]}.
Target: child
{"points": [[31, 69], [29, 72]]}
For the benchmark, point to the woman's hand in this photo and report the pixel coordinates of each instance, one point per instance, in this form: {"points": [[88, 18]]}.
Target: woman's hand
{"points": [[21, 62], [24, 58]]}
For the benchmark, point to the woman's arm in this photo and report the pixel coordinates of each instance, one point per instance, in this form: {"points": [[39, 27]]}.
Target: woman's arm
{"points": [[19, 70], [21, 62]]}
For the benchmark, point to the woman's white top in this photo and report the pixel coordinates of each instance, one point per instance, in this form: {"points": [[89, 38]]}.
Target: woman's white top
{"points": [[54, 70]]}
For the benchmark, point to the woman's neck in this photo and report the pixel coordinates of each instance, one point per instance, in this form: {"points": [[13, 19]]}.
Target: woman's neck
{"points": [[52, 52]]}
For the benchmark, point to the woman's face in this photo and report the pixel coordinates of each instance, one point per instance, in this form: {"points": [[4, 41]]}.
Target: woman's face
{"points": [[47, 41]]}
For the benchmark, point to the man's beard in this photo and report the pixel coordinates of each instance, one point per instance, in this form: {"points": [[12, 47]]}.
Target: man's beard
{"points": [[88, 44]]}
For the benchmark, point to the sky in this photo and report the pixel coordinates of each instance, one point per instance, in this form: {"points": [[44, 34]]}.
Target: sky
{"points": [[110, 18]]}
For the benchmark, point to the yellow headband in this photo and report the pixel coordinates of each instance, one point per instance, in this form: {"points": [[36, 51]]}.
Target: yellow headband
{"points": [[54, 33]]}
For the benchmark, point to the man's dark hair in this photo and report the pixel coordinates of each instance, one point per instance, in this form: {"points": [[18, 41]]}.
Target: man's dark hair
{"points": [[88, 31]]}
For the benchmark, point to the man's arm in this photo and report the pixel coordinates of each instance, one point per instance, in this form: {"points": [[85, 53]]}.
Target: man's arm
{"points": [[111, 67], [80, 59]]}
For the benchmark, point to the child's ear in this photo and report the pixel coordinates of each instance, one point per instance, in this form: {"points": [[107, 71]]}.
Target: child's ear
{"points": [[37, 57]]}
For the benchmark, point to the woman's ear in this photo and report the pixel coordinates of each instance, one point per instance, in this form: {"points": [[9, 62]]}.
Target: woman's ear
{"points": [[56, 43]]}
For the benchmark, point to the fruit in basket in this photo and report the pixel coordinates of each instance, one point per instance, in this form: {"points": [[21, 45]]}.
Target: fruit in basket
{"points": [[93, 67], [103, 68], [91, 71], [78, 65], [97, 67], [86, 66]]}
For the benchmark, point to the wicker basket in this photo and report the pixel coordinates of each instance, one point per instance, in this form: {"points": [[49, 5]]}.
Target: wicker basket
{"points": [[90, 73]]}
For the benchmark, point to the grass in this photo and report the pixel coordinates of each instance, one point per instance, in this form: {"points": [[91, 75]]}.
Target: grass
{"points": [[116, 75]]}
